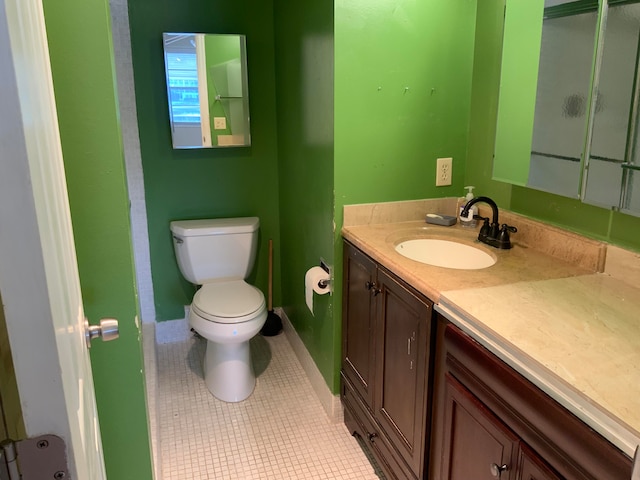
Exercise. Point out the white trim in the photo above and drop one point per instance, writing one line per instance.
(151, 378)
(132, 156)
(203, 91)
(330, 403)
(38, 270)
(171, 331)
(24, 291)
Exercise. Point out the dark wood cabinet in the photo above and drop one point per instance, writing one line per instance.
(476, 443)
(532, 467)
(402, 347)
(494, 423)
(403, 365)
(385, 366)
(357, 328)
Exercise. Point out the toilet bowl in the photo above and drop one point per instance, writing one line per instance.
(228, 315)
(218, 254)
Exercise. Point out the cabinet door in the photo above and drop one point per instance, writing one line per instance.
(358, 321)
(402, 348)
(476, 445)
(532, 467)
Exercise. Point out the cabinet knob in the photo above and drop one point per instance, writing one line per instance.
(371, 286)
(496, 470)
(372, 436)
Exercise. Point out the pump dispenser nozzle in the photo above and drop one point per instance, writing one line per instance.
(469, 220)
(469, 195)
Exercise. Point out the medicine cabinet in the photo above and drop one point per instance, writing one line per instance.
(207, 90)
(568, 101)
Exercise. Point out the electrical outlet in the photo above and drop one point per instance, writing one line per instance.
(219, 123)
(444, 172)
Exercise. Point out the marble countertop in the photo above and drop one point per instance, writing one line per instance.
(519, 264)
(572, 332)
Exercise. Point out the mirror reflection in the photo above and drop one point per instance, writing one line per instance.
(581, 140)
(613, 154)
(562, 97)
(207, 90)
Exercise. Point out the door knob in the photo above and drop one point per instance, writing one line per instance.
(107, 330)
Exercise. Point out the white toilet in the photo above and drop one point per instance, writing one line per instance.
(219, 254)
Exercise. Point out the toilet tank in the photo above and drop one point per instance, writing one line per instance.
(218, 248)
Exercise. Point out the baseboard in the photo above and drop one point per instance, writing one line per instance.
(170, 331)
(151, 385)
(330, 402)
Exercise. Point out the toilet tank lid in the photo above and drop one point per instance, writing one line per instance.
(215, 226)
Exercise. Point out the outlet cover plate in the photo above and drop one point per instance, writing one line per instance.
(219, 123)
(444, 172)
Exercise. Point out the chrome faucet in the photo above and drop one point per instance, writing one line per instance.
(492, 234)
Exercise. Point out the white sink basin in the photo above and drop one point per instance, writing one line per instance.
(445, 253)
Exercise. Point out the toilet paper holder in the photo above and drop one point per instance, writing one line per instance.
(324, 283)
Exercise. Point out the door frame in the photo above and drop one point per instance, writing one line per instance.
(37, 255)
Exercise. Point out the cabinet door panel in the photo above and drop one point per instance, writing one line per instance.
(358, 316)
(546, 426)
(402, 348)
(532, 467)
(476, 443)
(359, 422)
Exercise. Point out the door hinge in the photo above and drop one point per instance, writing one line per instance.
(35, 458)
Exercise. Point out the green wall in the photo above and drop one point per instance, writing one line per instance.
(484, 103)
(402, 98)
(522, 29)
(383, 142)
(304, 79)
(204, 183)
(79, 33)
(595, 222)
(387, 138)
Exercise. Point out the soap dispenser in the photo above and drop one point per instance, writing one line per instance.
(468, 221)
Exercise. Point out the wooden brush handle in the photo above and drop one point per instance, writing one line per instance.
(270, 296)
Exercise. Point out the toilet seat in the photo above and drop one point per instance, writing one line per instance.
(233, 301)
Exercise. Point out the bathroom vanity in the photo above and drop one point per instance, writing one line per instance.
(386, 362)
(493, 423)
(451, 374)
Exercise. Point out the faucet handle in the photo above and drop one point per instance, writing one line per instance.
(485, 230)
(503, 239)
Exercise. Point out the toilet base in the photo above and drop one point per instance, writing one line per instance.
(228, 371)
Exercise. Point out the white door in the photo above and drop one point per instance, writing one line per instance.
(39, 281)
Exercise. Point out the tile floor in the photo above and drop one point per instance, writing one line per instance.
(280, 432)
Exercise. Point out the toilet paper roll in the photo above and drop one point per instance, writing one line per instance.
(311, 284)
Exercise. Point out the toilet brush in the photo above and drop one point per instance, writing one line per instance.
(273, 324)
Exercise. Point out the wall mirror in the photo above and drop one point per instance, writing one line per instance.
(207, 90)
(611, 173)
(569, 124)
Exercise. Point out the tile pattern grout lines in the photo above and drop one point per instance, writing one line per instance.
(280, 432)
